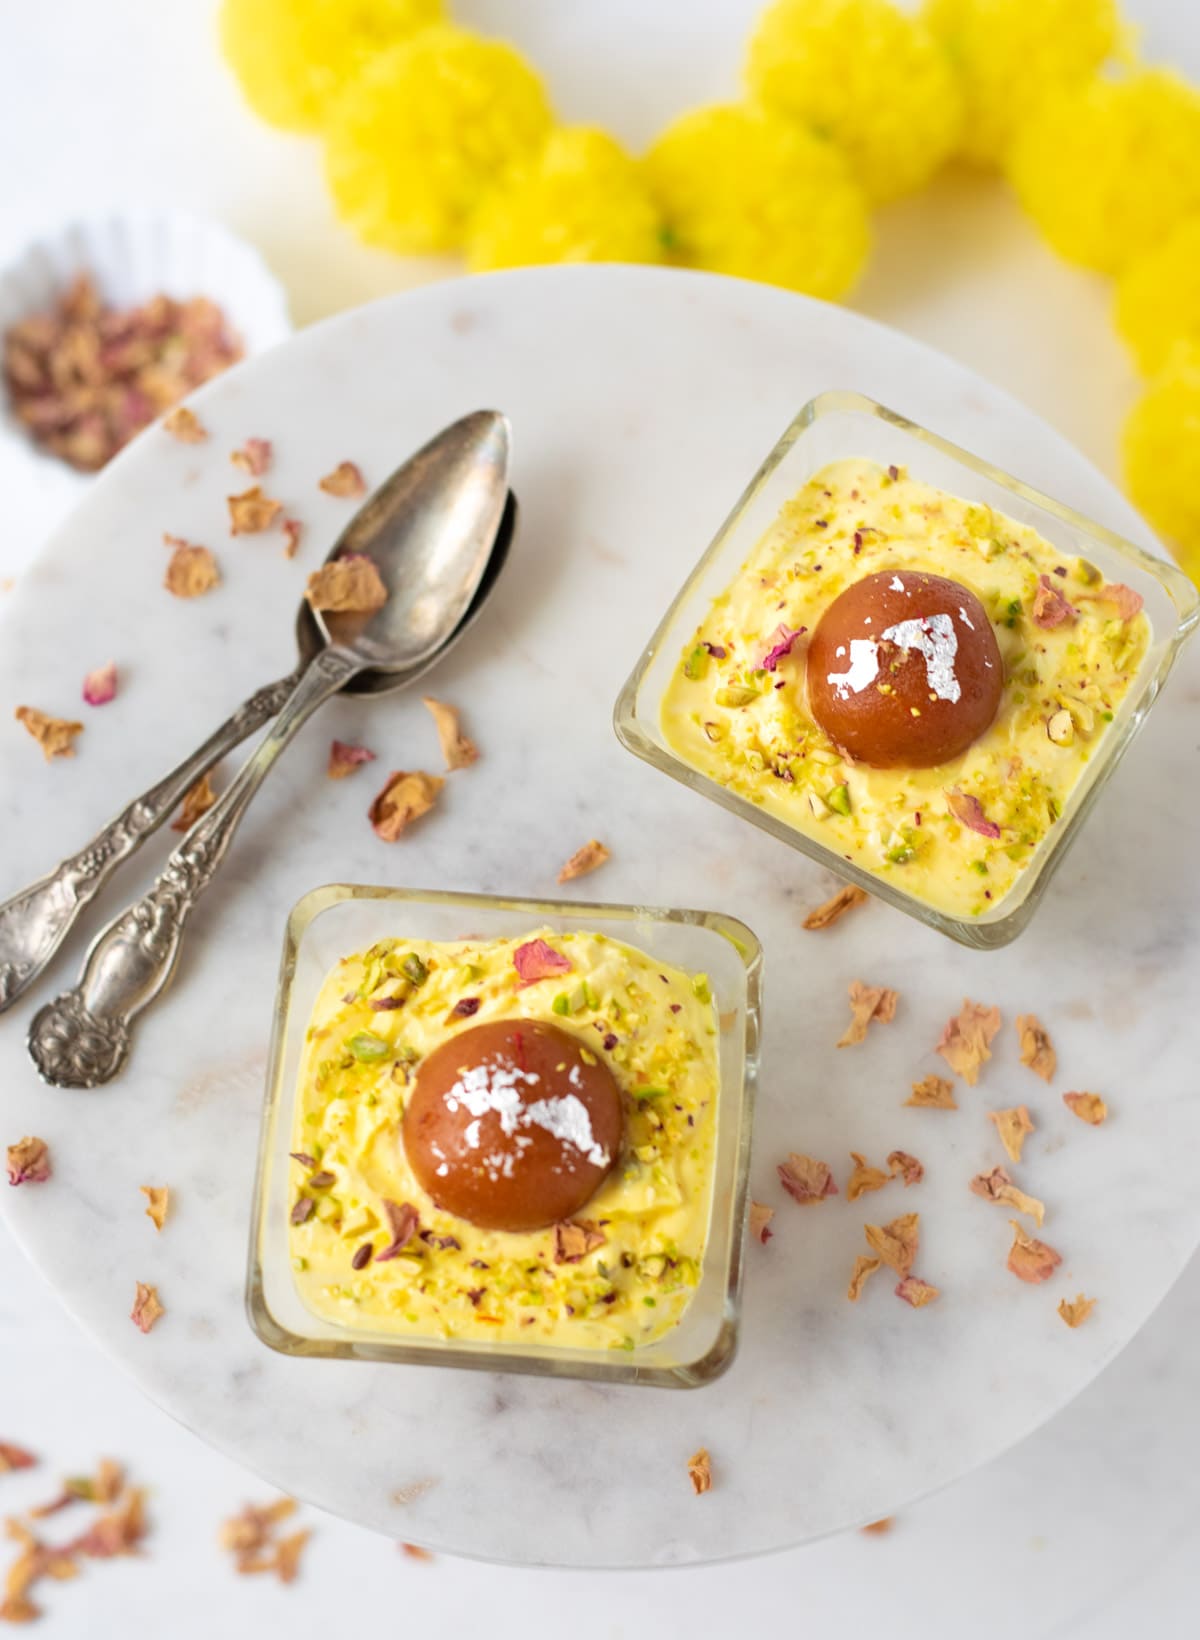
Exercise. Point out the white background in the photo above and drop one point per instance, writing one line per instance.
(1090, 1529)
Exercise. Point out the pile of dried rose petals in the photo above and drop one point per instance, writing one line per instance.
(83, 377)
(256, 1546)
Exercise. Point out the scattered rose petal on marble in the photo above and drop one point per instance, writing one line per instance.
(574, 1238)
(867, 1002)
(589, 858)
(864, 1269)
(347, 585)
(345, 480)
(864, 1178)
(252, 512)
(897, 1242)
(916, 1292)
(184, 424)
(254, 457)
(933, 1093)
(1037, 1050)
(907, 1167)
(1013, 1126)
(28, 1161)
(414, 1551)
(403, 1221)
(1030, 1259)
(457, 751)
(968, 810)
(965, 1043)
(287, 1555)
(1089, 1107)
(100, 686)
(56, 736)
(14, 1457)
(700, 1471)
(159, 1197)
(146, 1308)
(805, 1179)
(292, 531)
(1075, 1311)
(997, 1186)
(191, 570)
(250, 1538)
(760, 1222)
(344, 759)
(834, 909)
(877, 1528)
(197, 800)
(1050, 608)
(405, 798)
(537, 960)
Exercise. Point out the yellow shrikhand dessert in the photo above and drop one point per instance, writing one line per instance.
(960, 834)
(618, 1275)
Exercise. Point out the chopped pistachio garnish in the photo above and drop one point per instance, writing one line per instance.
(839, 799)
(367, 1048)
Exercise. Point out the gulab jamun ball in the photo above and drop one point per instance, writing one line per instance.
(904, 671)
(510, 1127)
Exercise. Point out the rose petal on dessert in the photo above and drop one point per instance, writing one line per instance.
(1037, 1050)
(805, 1179)
(867, 1002)
(933, 1093)
(969, 811)
(28, 1161)
(1012, 1125)
(864, 1269)
(159, 1198)
(344, 480)
(100, 686)
(897, 1242)
(1030, 1259)
(864, 1178)
(590, 857)
(14, 1457)
(404, 798)
(191, 570)
(760, 1221)
(537, 960)
(403, 1221)
(345, 758)
(965, 1043)
(700, 1471)
(457, 750)
(1089, 1107)
(1050, 608)
(146, 1308)
(1075, 1311)
(835, 908)
(575, 1238)
(783, 638)
(907, 1167)
(254, 457)
(251, 512)
(1125, 600)
(292, 531)
(997, 1186)
(916, 1292)
(347, 585)
(197, 800)
(877, 1528)
(56, 736)
(184, 425)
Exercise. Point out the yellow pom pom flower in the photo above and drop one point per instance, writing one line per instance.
(581, 199)
(1107, 171)
(750, 193)
(292, 56)
(1162, 455)
(867, 75)
(415, 141)
(1158, 299)
(1013, 55)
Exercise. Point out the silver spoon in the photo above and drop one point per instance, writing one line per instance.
(430, 530)
(35, 922)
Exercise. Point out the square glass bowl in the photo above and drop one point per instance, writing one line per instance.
(837, 426)
(332, 922)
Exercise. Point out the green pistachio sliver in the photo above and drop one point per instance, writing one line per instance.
(1087, 573)
(700, 988)
(735, 694)
(979, 867)
(561, 1003)
(839, 799)
(368, 1048)
(651, 1093)
(588, 1057)
(696, 664)
(590, 997)
(414, 969)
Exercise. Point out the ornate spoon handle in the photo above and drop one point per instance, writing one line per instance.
(82, 1038)
(34, 923)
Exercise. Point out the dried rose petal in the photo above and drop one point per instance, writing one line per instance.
(197, 800)
(405, 798)
(969, 810)
(897, 1242)
(805, 1179)
(1012, 1125)
(100, 686)
(287, 1556)
(146, 1308)
(784, 637)
(760, 1222)
(1031, 1259)
(907, 1167)
(933, 1093)
(457, 750)
(867, 1002)
(575, 1238)
(864, 1269)
(916, 1292)
(348, 585)
(536, 960)
(251, 512)
(414, 1551)
(14, 1457)
(323, 1179)
(159, 1197)
(303, 1158)
(877, 1528)
(1125, 600)
(116, 1533)
(292, 531)
(184, 425)
(1037, 1050)
(254, 457)
(864, 1178)
(997, 1186)
(251, 1530)
(700, 1471)
(590, 857)
(442, 1244)
(344, 759)
(1050, 608)
(965, 1043)
(56, 736)
(191, 570)
(344, 480)
(1075, 1311)
(403, 1221)
(834, 909)
(28, 1161)
(1089, 1107)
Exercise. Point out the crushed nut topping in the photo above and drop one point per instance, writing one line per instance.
(344, 480)
(905, 1166)
(146, 1308)
(347, 585)
(28, 1161)
(835, 908)
(805, 1179)
(100, 686)
(997, 1186)
(867, 1002)
(700, 1471)
(1075, 1311)
(575, 1238)
(1013, 1126)
(191, 570)
(1037, 1051)
(405, 798)
(457, 750)
(1030, 1259)
(897, 1242)
(159, 1198)
(344, 759)
(864, 1178)
(965, 1042)
(933, 1093)
(864, 1269)
(760, 1221)
(56, 736)
(916, 1292)
(1089, 1107)
(590, 857)
(197, 800)
(254, 457)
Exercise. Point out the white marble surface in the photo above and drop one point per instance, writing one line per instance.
(832, 1414)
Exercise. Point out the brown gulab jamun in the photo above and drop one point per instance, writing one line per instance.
(903, 670)
(510, 1127)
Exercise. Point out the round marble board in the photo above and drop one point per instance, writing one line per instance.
(641, 401)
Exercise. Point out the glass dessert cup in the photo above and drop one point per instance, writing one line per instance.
(837, 426)
(330, 923)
